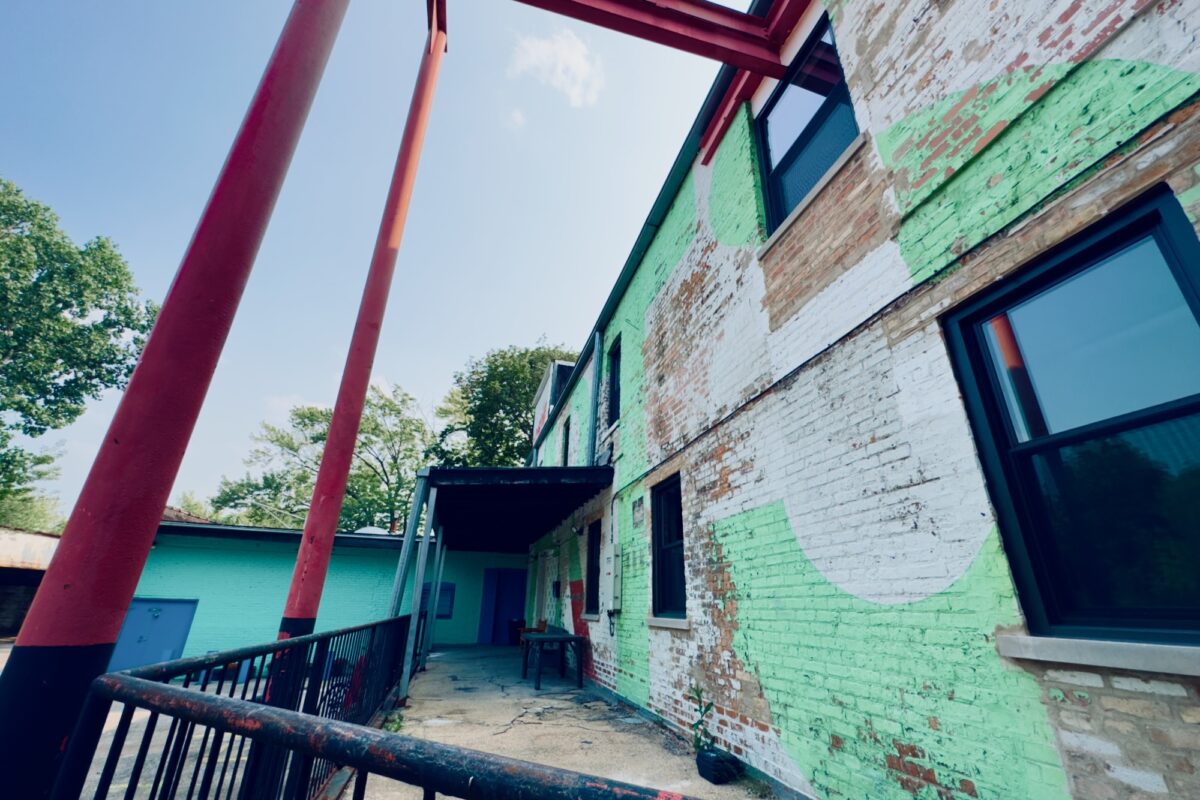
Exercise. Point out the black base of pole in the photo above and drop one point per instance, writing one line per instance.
(297, 626)
(42, 691)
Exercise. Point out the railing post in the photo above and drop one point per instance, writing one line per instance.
(265, 763)
(81, 748)
(72, 625)
(301, 770)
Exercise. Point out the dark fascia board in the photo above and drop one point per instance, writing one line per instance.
(658, 212)
(519, 476)
(209, 530)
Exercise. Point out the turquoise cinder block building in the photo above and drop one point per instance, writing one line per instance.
(211, 587)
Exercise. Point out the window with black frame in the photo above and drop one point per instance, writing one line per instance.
(805, 126)
(591, 588)
(666, 521)
(1082, 379)
(614, 382)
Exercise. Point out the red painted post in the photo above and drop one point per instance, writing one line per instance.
(72, 625)
(312, 562)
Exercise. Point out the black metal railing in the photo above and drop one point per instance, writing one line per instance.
(437, 768)
(344, 675)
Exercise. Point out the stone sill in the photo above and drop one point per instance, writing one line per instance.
(590, 617)
(798, 211)
(1164, 658)
(672, 623)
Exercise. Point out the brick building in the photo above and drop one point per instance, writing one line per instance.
(901, 387)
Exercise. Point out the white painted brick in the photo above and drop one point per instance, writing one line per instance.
(1093, 745)
(1137, 778)
(1075, 678)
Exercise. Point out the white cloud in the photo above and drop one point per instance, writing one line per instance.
(515, 120)
(563, 62)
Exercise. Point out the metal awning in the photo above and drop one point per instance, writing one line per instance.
(506, 509)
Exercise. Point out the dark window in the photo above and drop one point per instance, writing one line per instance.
(806, 125)
(1082, 378)
(591, 599)
(445, 599)
(566, 441)
(666, 518)
(614, 382)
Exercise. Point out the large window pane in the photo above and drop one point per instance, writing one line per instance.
(591, 603)
(818, 76)
(670, 594)
(806, 125)
(826, 143)
(1121, 517)
(1115, 338)
(1098, 360)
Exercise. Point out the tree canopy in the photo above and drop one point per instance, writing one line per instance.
(72, 324)
(393, 441)
(488, 412)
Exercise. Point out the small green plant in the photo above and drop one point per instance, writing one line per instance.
(393, 722)
(701, 738)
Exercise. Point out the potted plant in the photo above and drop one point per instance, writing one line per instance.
(713, 764)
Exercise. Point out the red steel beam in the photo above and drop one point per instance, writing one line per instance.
(320, 527)
(781, 21)
(72, 625)
(783, 18)
(694, 26)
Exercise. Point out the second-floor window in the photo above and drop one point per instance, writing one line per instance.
(805, 126)
(614, 382)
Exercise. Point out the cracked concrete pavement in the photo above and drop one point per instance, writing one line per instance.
(474, 697)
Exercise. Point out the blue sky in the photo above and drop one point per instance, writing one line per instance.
(548, 142)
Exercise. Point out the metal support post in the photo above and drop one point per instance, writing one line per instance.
(316, 546)
(72, 625)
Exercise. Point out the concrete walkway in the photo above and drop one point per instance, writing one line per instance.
(474, 697)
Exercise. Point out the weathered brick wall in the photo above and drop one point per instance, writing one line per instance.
(845, 577)
(1123, 734)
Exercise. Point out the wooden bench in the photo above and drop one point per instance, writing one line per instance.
(536, 642)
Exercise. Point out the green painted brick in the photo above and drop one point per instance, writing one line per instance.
(887, 674)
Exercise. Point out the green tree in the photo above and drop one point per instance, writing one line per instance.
(72, 324)
(393, 440)
(488, 412)
(30, 511)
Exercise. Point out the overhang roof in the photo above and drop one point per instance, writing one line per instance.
(506, 509)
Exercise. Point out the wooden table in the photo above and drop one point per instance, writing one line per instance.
(537, 641)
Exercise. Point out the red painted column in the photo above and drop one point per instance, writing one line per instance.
(74, 620)
(312, 562)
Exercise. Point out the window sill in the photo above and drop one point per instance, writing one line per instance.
(1165, 658)
(590, 617)
(798, 211)
(670, 623)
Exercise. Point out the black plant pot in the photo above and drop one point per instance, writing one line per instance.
(717, 766)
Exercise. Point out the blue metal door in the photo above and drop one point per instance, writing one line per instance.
(503, 605)
(155, 629)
